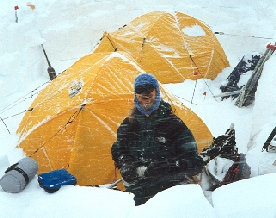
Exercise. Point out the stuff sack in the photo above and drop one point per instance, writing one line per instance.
(17, 176)
(223, 163)
(52, 181)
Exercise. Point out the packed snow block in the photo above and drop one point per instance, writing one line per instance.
(247, 198)
(52, 181)
(177, 201)
(17, 176)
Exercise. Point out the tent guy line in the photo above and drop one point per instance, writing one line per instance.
(228, 34)
(71, 119)
(24, 97)
(5, 125)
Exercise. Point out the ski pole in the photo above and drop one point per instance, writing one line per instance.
(16, 17)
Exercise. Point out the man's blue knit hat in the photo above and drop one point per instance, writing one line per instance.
(147, 79)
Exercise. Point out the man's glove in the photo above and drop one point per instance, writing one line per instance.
(129, 172)
(128, 168)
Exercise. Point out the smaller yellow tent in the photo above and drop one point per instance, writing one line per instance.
(72, 123)
(173, 47)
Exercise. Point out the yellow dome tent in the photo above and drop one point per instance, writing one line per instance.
(72, 123)
(173, 47)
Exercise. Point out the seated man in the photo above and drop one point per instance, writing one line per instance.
(154, 148)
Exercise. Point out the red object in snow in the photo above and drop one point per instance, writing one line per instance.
(272, 47)
(16, 7)
(205, 93)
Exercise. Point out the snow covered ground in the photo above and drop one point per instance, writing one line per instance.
(72, 29)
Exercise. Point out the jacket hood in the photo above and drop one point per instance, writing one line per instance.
(145, 79)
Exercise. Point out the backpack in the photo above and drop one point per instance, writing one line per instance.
(52, 181)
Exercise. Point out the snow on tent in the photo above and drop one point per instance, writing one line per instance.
(73, 122)
(173, 47)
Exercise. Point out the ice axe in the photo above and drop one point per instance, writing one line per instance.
(50, 69)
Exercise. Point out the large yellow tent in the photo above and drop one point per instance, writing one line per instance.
(173, 47)
(72, 123)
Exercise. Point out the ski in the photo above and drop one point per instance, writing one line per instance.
(112, 185)
(225, 94)
(247, 95)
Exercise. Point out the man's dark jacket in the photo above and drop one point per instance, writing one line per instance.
(161, 137)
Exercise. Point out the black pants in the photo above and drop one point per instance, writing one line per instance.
(148, 187)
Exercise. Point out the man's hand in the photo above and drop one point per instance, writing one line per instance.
(128, 167)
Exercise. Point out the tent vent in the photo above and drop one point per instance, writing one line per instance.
(75, 88)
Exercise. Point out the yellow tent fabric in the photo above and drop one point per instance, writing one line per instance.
(173, 47)
(72, 123)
